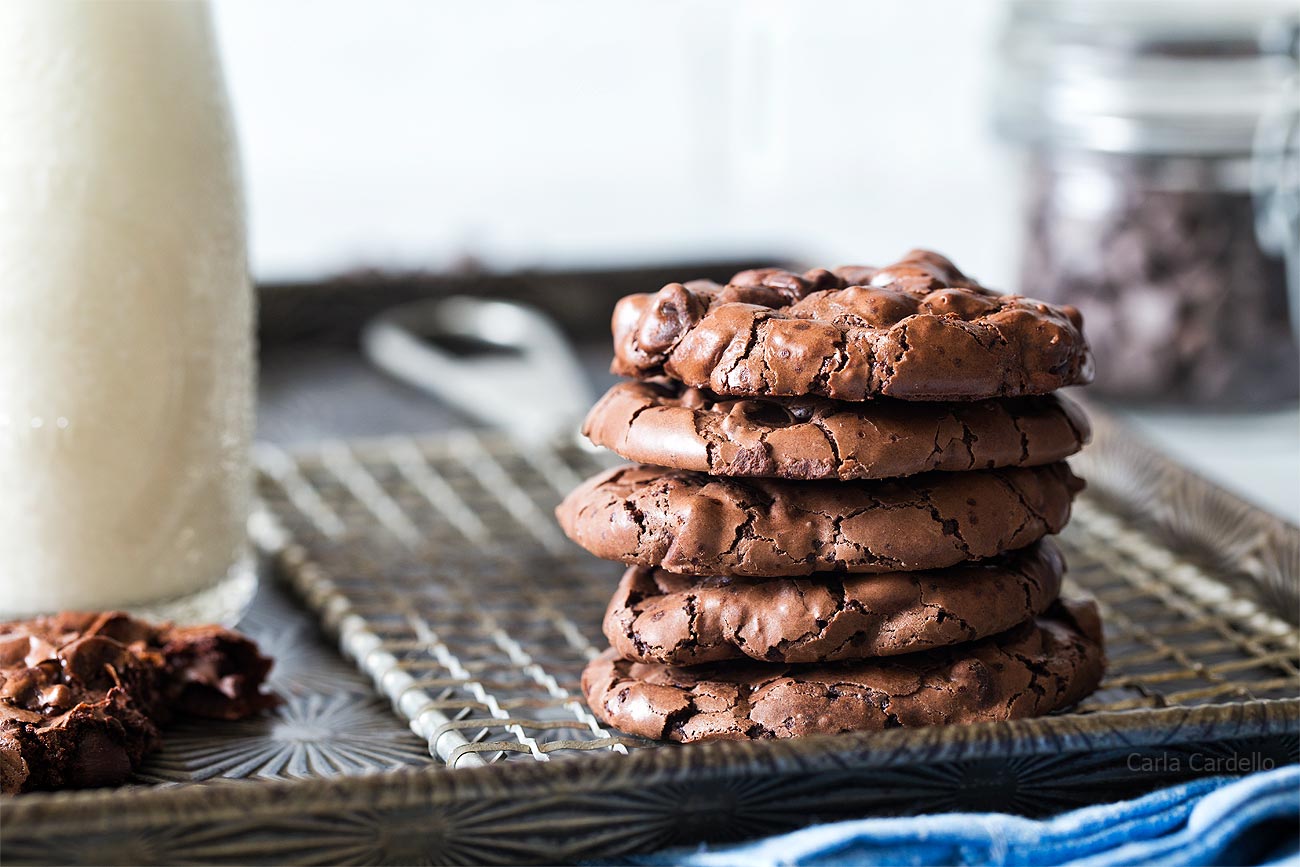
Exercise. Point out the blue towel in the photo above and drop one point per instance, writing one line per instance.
(1220, 820)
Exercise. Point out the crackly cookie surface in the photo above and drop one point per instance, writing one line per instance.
(918, 329)
(816, 438)
(1033, 669)
(82, 695)
(656, 616)
(695, 524)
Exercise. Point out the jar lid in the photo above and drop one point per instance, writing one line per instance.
(1144, 76)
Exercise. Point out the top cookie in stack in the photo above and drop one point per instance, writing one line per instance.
(918, 330)
(857, 468)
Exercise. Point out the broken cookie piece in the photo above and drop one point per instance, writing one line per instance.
(82, 695)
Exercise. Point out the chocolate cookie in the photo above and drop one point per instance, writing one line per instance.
(82, 695)
(656, 616)
(918, 329)
(817, 438)
(1041, 666)
(695, 524)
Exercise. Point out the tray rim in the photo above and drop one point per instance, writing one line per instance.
(1161, 727)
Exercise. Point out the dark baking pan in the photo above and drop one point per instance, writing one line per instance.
(436, 567)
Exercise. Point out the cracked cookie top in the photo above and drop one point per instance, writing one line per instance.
(1044, 665)
(918, 329)
(664, 424)
(691, 523)
(656, 616)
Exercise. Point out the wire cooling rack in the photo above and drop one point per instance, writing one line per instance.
(440, 567)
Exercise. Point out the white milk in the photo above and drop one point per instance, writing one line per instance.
(125, 308)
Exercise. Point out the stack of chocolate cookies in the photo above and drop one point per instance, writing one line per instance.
(839, 514)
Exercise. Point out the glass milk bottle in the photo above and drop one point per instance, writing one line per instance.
(125, 315)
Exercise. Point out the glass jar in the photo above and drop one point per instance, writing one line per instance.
(1159, 153)
(126, 315)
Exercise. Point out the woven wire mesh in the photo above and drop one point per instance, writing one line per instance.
(440, 566)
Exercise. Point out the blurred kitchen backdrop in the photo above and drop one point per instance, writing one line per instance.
(1137, 159)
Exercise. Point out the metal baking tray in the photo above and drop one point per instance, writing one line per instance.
(457, 733)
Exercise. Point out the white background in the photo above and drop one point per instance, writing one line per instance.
(573, 132)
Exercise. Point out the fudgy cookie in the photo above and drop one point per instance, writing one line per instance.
(917, 329)
(1030, 670)
(695, 524)
(656, 616)
(816, 438)
(82, 695)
